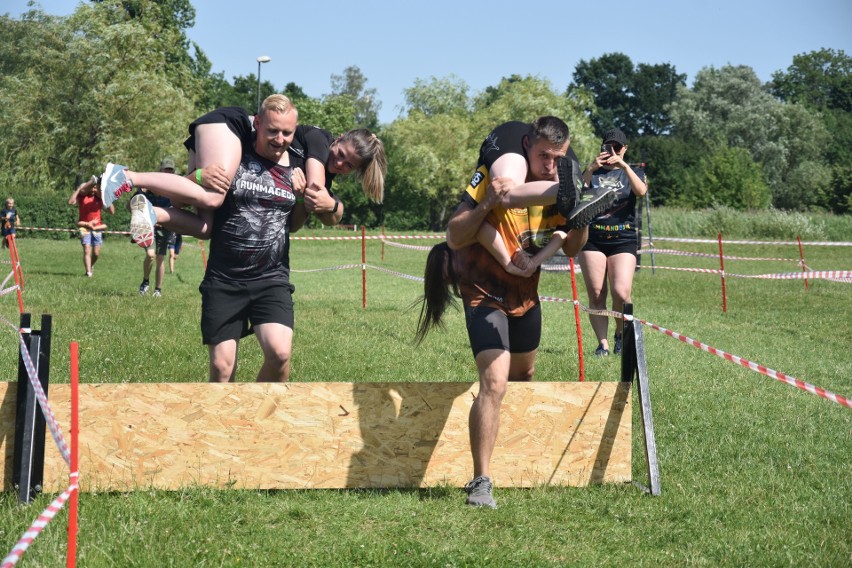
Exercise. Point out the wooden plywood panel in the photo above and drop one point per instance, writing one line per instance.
(335, 435)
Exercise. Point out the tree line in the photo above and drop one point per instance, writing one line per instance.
(120, 81)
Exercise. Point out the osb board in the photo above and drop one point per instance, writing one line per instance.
(330, 435)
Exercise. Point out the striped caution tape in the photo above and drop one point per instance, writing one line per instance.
(754, 366)
(735, 242)
(39, 524)
(709, 255)
(837, 275)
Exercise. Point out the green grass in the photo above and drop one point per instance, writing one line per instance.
(754, 472)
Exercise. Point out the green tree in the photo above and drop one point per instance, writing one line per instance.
(819, 79)
(632, 98)
(729, 106)
(725, 177)
(354, 84)
(63, 116)
(447, 95)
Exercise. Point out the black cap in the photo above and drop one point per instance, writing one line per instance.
(615, 135)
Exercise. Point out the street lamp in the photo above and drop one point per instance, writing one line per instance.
(261, 59)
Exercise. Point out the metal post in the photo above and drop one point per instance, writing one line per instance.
(30, 427)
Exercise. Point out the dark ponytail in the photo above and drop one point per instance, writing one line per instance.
(440, 289)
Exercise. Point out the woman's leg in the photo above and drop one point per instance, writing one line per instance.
(594, 265)
(215, 145)
(620, 269)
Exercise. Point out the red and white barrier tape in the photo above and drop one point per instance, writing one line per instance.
(340, 267)
(754, 366)
(404, 246)
(836, 275)
(69, 230)
(709, 255)
(734, 242)
(38, 525)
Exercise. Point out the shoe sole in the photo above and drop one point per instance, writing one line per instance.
(566, 196)
(582, 215)
(141, 229)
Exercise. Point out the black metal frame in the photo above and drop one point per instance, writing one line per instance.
(633, 365)
(30, 426)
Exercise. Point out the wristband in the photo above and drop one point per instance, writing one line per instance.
(198, 177)
(336, 206)
(300, 200)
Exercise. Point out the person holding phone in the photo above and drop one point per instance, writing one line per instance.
(608, 258)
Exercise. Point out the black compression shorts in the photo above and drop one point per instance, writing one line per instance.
(235, 117)
(490, 328)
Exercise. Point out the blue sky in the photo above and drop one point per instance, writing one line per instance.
(395, 43)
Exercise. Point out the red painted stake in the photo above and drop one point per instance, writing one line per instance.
(71, 559)
(15, 272)
(722, 268)
(577, 320)
(383, 243)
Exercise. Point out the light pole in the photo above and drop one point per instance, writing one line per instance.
(261, 59)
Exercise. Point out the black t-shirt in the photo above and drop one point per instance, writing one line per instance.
(251, 230)
(623, 211)
(311, 142)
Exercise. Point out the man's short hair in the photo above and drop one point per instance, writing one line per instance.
(549, 128)
(278, 103)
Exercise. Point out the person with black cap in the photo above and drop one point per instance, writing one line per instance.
(609, 255)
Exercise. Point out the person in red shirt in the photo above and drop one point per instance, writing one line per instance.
(87, 198)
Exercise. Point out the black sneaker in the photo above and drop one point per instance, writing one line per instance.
(617, 348)
(479, 492)
(143, 288)
(592, 203)
(570, 185)
(601, 351)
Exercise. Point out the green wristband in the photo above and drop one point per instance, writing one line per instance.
(300, 200)
(198, 177)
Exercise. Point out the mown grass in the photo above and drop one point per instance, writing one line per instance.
(754, 472)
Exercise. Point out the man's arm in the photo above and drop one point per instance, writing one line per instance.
(318, 199)
(85, 185)
(463, 226)
(507, 171)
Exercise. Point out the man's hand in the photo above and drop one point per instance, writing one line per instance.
(213, 178)
(298, 180)
(496, 190)
(318, 199)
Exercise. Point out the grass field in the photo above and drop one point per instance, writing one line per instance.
(754, 472)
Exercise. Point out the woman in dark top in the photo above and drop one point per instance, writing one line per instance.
(609, 256)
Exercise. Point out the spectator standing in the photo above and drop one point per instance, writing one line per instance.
(87, 198)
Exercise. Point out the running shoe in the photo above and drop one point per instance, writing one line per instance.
(142, 221)
(479, 492)
(592, 202)
(601, 351)
(570, 185)
(157, 292)
(114, 183)
(143, 288)
(618, 342)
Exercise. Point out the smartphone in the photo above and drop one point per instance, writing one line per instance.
(607, 148)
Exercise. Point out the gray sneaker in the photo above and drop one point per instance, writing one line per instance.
(143, 288)
(479, 492)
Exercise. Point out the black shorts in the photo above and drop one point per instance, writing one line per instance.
(611, 243)
(161, 240)
(227, 308)
(490, 328)
(236, 118)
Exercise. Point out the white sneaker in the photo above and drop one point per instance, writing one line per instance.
(142, 221)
